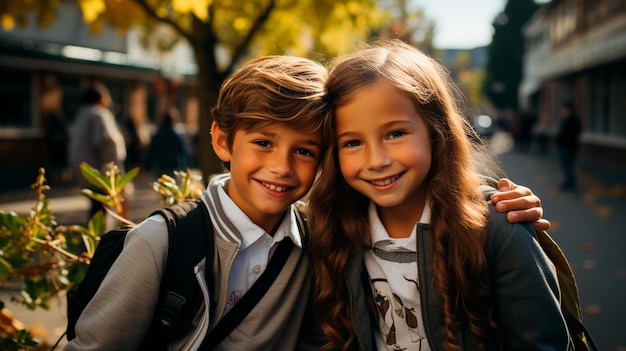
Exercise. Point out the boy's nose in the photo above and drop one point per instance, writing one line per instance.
(281, 165)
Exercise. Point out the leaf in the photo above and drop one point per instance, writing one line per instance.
(11, 222)
(92, 9)
(127, 177)
(5, 268)
(96, 225)
(105, 199)
(8, 23)
(95, 177)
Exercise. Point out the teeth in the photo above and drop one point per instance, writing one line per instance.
(384, 182)
(273, 187)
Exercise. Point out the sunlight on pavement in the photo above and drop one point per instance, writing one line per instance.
(500, 143)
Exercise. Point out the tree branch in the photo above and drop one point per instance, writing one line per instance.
(245, 43)
(152, 13)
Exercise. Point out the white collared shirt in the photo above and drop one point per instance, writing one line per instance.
(392, 267)
(256, 245)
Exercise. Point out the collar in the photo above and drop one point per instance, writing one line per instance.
(379, 237)
(235, 226)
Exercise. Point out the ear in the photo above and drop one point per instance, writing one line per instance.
(220, 146)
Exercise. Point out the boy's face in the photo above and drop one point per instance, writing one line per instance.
(271, 168)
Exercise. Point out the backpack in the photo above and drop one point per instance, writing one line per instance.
(570, 301)
(190, 239)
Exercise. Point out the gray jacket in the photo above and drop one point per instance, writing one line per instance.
(118, 316)
(525, 287)
(95, 139)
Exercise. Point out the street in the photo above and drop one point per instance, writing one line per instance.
(588, 225)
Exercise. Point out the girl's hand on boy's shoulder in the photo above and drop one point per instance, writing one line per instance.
(520, 203)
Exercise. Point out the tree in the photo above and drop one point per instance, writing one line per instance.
(223, 33)
(506, 51)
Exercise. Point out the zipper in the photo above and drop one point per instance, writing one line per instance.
(224, 289)
(350, 292)
(198, 336)
(423, 286)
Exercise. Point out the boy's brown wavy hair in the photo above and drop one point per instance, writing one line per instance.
(274, 89)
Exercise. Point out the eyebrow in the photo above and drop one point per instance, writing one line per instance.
(270, 135)
(390, 124)
(346, 134)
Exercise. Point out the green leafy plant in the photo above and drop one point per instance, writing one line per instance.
(48, 258)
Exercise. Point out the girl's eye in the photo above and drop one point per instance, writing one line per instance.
(396, 134)
(351, 143)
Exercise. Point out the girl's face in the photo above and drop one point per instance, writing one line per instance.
(384, 147)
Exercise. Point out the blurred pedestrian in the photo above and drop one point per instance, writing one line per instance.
(134, 146)
(527, 123)
(56, 131)
(567, 141)
(168, 150)
(56, 141)
(96, 137)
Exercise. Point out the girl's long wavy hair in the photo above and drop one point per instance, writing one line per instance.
(339, 216)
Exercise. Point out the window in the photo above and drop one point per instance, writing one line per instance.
(16, 98)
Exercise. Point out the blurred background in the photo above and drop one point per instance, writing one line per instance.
(515, 61)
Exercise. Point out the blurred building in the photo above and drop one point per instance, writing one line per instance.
(576, 51)
(43, 70)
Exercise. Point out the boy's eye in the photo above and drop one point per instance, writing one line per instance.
(305, 152)
(263, 143)
(396, 134)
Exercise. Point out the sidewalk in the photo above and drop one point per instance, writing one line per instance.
(589, 226)
(71, 207)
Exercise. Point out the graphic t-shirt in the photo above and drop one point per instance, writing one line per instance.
(392, 268)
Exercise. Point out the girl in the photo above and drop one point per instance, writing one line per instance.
(415, 246)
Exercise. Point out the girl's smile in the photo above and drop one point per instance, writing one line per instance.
(384, 147)
(383, 182)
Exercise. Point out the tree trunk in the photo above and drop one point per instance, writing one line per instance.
(209, 80)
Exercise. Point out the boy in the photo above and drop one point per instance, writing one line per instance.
(267, 131)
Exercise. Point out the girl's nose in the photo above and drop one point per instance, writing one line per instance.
(377, 157)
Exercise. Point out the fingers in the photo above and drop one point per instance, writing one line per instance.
(520, 203)
(511, 201)
(505, 184)
(510, 190)
(541, 225)
(527, 215)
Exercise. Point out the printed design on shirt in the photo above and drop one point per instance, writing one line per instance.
(395, 314)
(233, 298)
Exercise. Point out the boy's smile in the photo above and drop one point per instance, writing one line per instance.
(271, 168)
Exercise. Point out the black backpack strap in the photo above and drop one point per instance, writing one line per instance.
(247, 302)
(190, 234)
(576, 326)
(79, 295)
